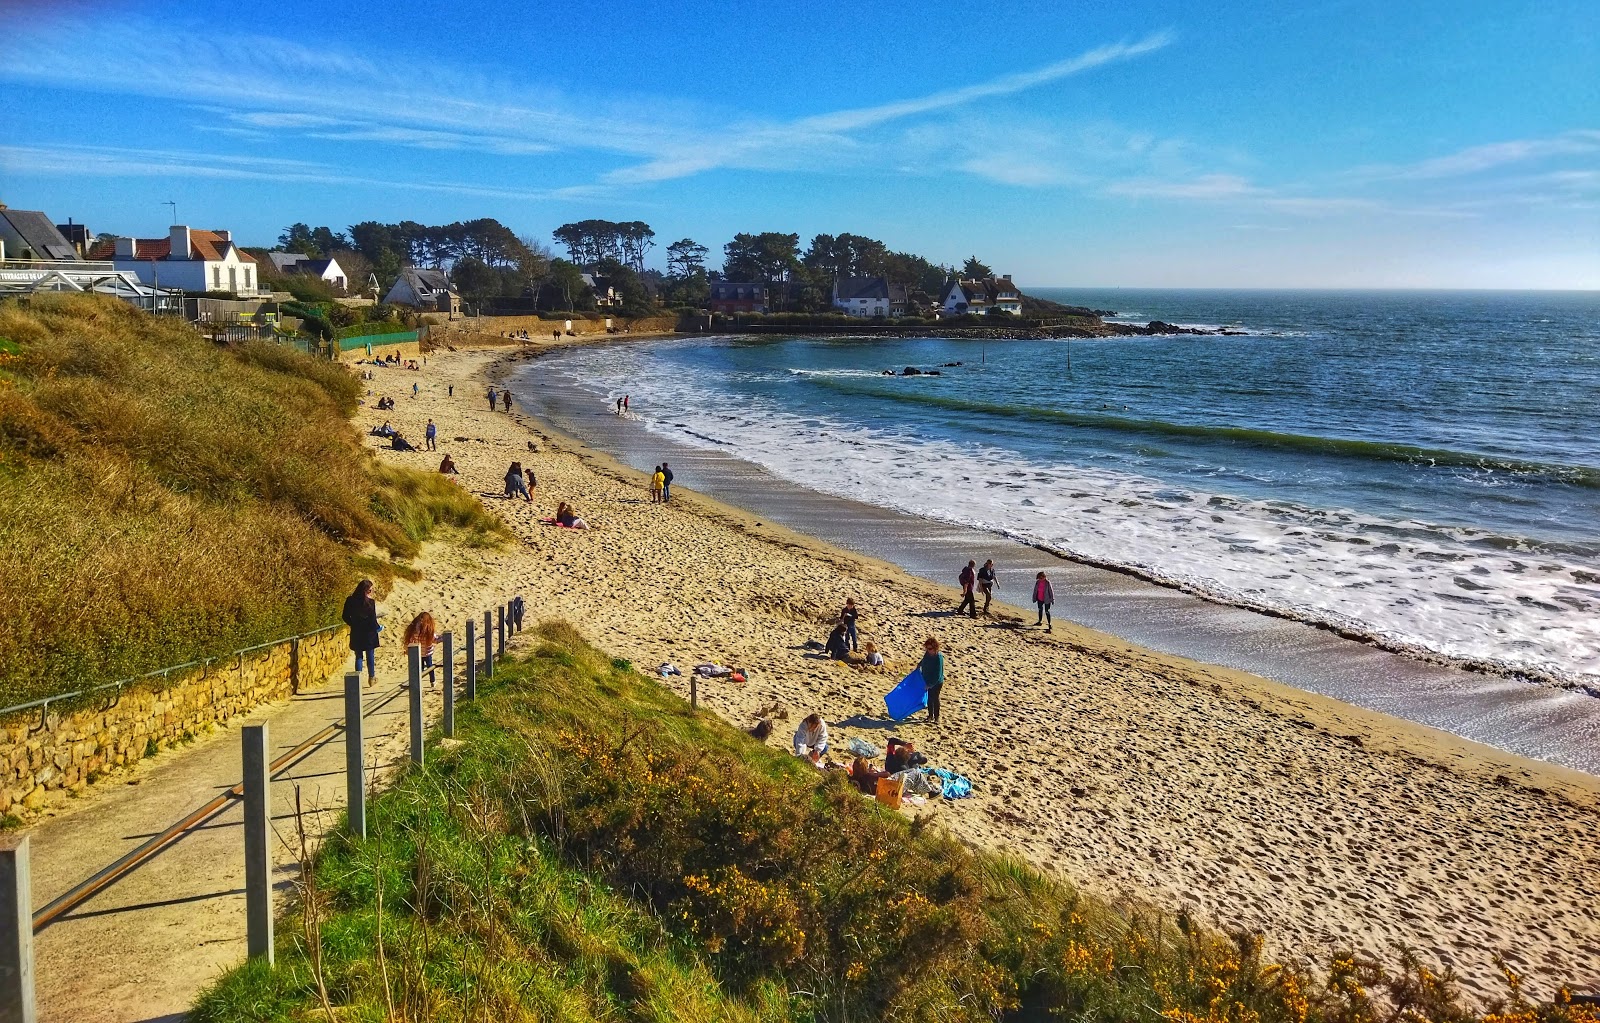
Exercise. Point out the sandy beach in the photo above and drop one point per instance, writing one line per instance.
(1137, 775)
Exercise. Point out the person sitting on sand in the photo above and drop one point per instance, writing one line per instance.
(383, 431)
(448, 466)
(517, 484)
(420, 633)
(897, 756)
(932, 668)
(811, 738)
(865, 776)
(1043, 596)
(838, 645)
(566, 516)
(874, 658)
(399, 443)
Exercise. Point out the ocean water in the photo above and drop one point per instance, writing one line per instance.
(1419, 468)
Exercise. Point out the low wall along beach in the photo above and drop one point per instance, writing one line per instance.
(65, 748)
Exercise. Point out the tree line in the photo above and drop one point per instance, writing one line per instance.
(487, 261)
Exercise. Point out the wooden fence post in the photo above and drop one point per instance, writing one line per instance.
(355, 784)
(16, 932)
(414, 671)
(472, 659)
(257, 853)
(449, 642)
(488, 645)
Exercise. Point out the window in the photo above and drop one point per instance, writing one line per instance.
(216, 278)
(247, 284)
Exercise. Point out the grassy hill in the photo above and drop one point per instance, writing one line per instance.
(589, 849)
(164, 499)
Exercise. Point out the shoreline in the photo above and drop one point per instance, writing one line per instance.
(1141, 776)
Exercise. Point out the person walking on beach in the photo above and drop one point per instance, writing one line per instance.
(968, 579)
(625, 403)
(361, 615)
(413, 388)
(452, 392)
(666, 483)
(431, 435)
(932, 668)
(516, 484)
(658, 483)
(847, 618)
(1043, 596)
(493, 397)
(987, 581)
(505, 398)
(619, 406)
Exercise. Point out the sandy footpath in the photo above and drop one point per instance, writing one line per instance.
(1135, 774)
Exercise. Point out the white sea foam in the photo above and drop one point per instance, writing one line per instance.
(1412, 585)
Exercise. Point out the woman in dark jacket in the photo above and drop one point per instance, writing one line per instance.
(838, 645)
(361, 615)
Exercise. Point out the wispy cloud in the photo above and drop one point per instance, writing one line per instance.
(1489, 157)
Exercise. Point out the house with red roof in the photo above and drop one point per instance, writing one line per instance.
(187, 259)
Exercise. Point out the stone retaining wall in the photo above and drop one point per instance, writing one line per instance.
(72, 745)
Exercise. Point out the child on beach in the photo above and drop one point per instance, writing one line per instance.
(811, 738)
(847, 618)
(932, 668)
(1043, 596)
(361, 615)
(874, 658)
(420, 633)
(658, 485)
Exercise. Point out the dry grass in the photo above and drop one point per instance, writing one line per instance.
(162, 498)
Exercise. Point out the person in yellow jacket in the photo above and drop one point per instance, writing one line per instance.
(658, 484)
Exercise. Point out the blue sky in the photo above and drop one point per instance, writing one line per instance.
(1336, 144)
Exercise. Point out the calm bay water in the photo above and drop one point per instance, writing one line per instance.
(1420, 468)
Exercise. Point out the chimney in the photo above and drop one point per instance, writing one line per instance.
(226, 236)
(126, 248)
(180, 243)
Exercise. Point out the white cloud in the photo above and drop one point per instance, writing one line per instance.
(1490, 156)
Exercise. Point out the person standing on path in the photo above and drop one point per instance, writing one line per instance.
(847, 617)
(414, 388)
(361, 615)
(658, 483)
(968, 579)
(932, 668)
(492, 398)
(1043, 596)
(666, 483)
(987, 581)
(431, 435)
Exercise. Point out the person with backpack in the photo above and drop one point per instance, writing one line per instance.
(987, 581)
(1043, 596)
(361, 615)
(968, 579)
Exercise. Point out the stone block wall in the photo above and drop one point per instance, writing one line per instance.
(69, 747)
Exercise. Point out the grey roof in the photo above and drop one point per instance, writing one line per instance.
(851, 288)
(426, 282)
(39, 234)
(319, 266)
(285, 261)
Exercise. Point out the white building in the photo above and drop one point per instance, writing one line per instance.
(299, 263)
(977, 297)
(868, 296)
(189, 260)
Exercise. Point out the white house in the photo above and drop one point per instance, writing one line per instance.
(977, 297)
(299, 263)
(868, 296)
(605, 293)
(430, 290)
(189, 260)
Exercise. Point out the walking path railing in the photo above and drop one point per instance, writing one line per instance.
(19, 922)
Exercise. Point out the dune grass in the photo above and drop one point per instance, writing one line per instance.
(163, 498)
(591, 850)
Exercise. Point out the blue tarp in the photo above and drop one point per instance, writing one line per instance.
(910, 696)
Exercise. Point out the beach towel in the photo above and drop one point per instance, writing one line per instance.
(955, 786)
(910, 696)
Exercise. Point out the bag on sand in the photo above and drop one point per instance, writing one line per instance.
(910, 696)
(889, 792)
